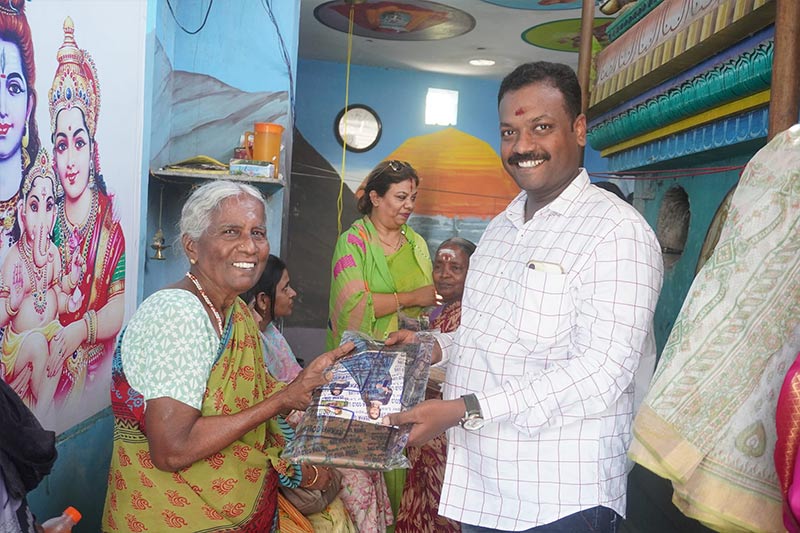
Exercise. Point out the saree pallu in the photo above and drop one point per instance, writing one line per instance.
(787, 424)
(359, 268)
(102, 246)
(232, 490)
(708, 422)
(447, 317)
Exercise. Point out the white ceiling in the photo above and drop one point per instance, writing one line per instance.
(496, 36)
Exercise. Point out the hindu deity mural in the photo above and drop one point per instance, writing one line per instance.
(62, 248)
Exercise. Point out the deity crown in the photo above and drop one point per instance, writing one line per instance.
(75, 83)
(42, 168)
(7, 7)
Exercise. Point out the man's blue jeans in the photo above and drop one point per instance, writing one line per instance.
(594, 520)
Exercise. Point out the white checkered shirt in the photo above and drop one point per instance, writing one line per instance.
(556, 315)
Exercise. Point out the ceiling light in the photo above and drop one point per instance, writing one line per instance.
(481, 62)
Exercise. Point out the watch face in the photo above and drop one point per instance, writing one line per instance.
(359, 129)
(473, 422)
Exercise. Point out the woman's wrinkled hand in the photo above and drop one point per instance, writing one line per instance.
(297, 395)
(424, 296)
(320, 475)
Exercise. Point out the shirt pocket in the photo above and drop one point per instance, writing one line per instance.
(543, 307)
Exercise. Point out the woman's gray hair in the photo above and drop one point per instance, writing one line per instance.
(468, 247)
(198, 209)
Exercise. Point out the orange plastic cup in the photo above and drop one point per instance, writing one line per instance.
(265, 144)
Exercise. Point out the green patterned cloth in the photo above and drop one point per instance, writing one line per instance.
(708, 422)
(192, 344)
(360, 268)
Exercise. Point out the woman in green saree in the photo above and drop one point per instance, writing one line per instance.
(197, 437)
(380, 266)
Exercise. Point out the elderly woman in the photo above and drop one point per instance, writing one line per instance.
(197, 440)
(419, 508)
(449, 274)
(380, 265)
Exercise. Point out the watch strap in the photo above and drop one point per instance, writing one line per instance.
(472, 405)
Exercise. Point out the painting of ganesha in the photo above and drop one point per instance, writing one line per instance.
(32, 349)
(62, 266)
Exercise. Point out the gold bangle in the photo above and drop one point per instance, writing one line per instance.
(10, 313)
(397, 301)
(71, 284)
(91, 326)
(316, 475)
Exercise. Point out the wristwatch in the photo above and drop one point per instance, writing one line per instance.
(473, 420)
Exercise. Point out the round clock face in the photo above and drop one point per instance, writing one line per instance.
(359, 129)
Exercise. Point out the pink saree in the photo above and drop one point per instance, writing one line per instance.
(787, 422)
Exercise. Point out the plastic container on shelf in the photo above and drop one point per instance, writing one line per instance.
(266, 143)
(63, 523)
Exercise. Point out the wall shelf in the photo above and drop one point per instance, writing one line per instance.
(189, 177)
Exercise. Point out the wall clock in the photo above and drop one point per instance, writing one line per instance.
(359, 129)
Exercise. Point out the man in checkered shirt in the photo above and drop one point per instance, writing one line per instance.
(557, 313)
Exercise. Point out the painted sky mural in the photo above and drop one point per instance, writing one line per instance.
(462, 184)
(461, 175)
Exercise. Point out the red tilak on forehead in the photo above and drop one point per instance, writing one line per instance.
(520, 111)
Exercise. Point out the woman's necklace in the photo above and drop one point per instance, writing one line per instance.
(73, 236)
(207, 300)
(36, 277)
(396, 246)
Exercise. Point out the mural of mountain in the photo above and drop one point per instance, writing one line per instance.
(198, 127)
(460, 175)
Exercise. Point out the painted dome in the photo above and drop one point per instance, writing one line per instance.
(460, 175)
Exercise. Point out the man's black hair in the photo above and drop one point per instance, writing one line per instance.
(557, 75)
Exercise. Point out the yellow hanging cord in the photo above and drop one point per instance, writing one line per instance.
(339, 202)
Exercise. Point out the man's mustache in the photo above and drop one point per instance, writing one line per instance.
(528, 156)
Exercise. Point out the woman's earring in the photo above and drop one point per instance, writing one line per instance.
(193, 261)
(25, 138)
(91, 174)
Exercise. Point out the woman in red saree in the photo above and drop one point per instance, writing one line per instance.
(419, 507)
(87, 225)
(197, 439)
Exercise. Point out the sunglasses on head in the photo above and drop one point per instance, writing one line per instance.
(396, 167)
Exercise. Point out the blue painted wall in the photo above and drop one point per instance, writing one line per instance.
(705, 196)
(398, 96)
(239, 47)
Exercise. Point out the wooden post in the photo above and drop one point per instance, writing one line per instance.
(785, 95)
(585, 54)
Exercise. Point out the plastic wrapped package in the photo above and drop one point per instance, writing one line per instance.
(343, 425)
